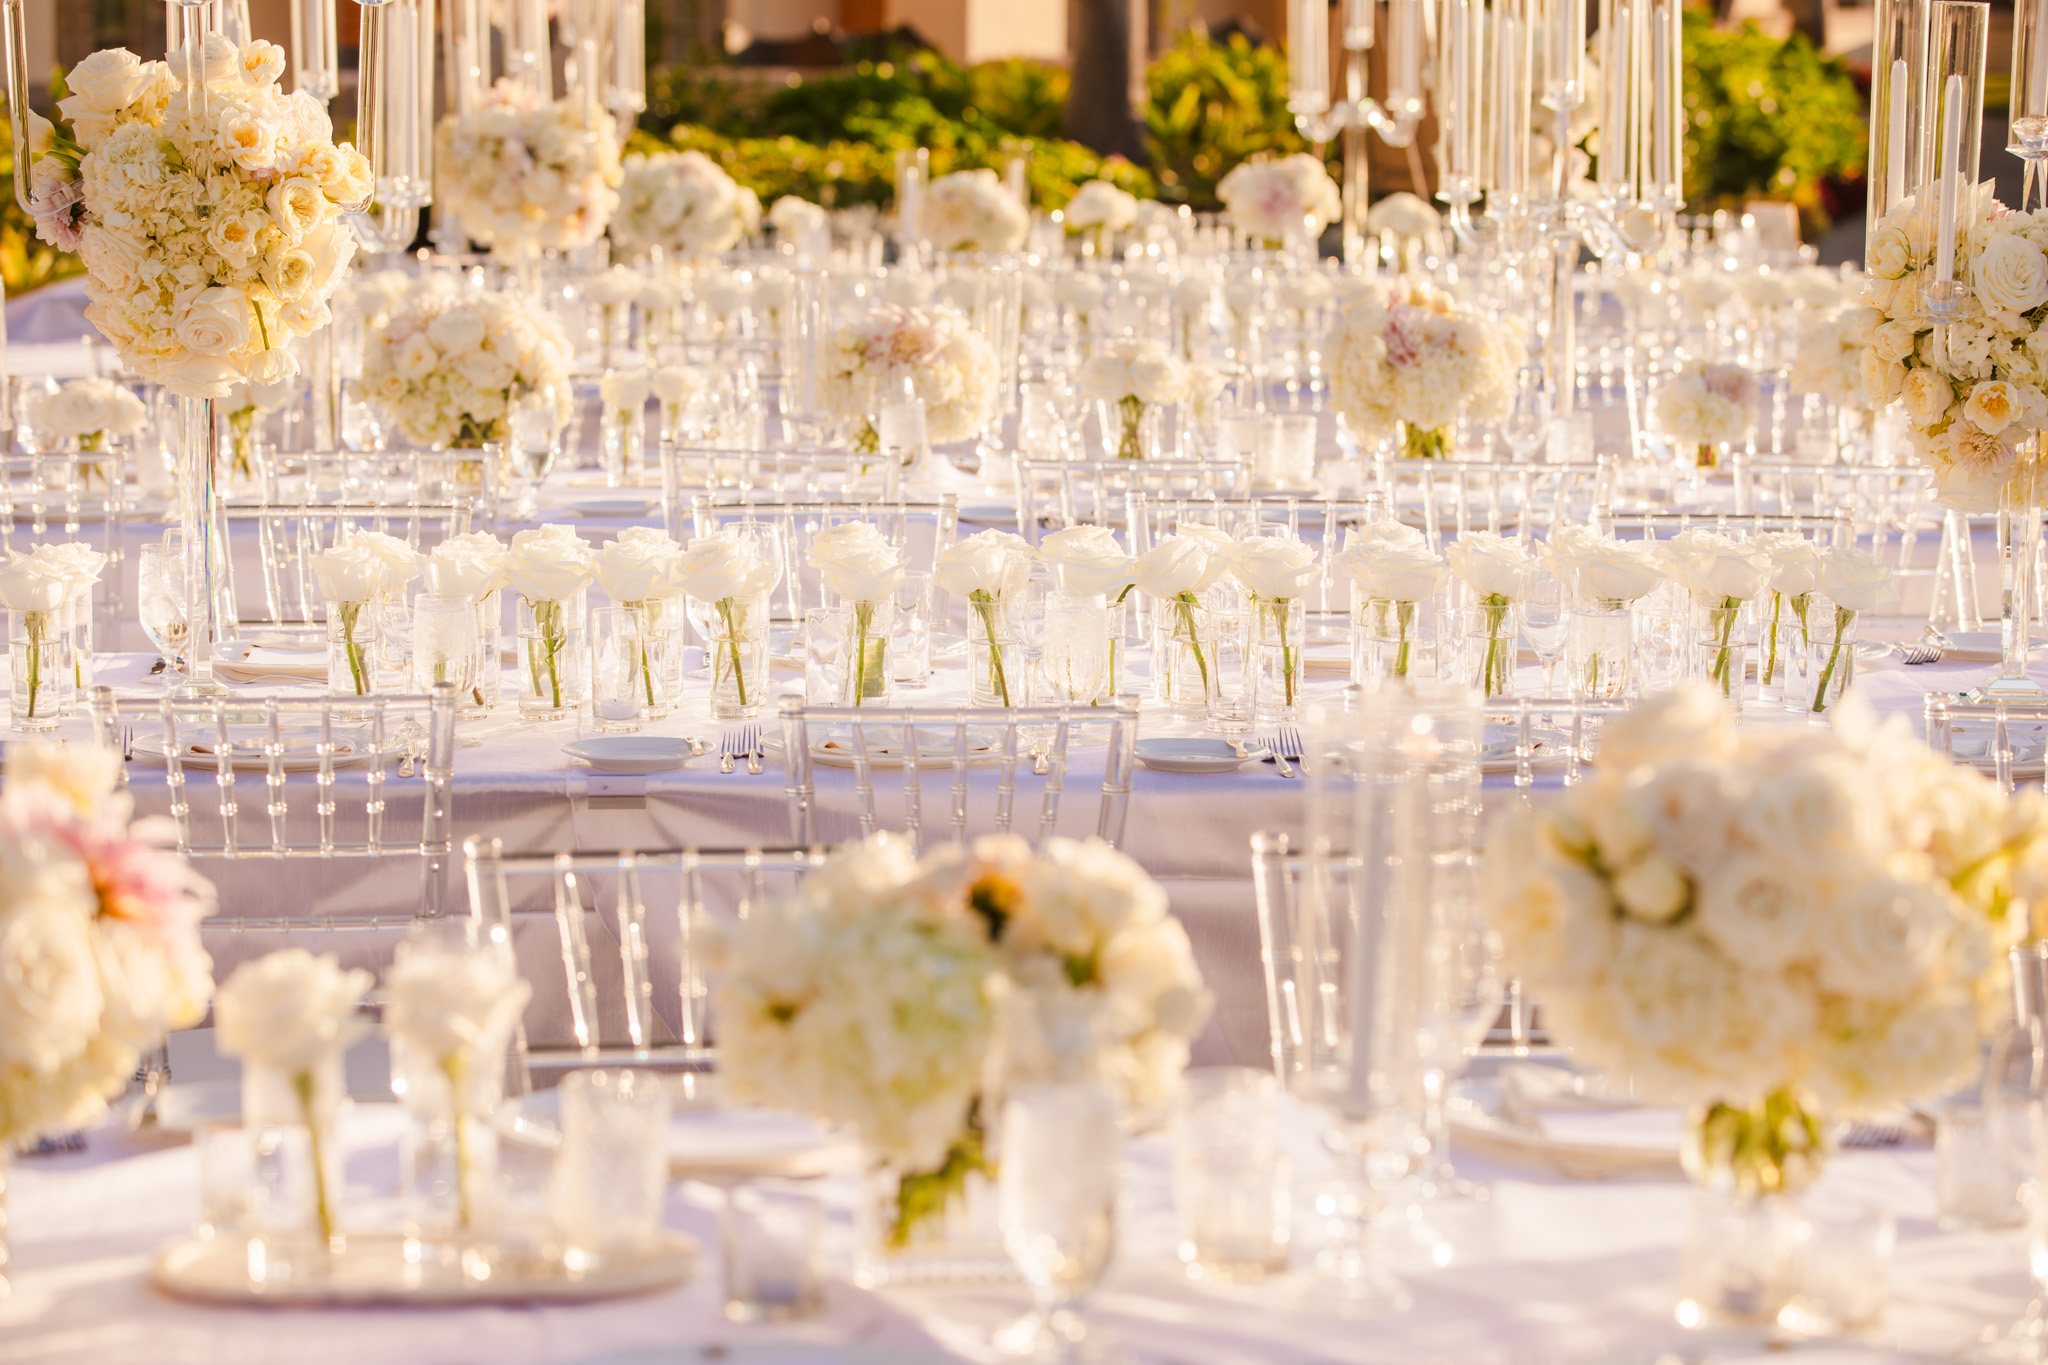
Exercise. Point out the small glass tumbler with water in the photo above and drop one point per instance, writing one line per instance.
(612, 1176)
(445, 648)
(1230, 1179)
(769, 1234)
(910, 644)
(619, 680)
(1056, 1200)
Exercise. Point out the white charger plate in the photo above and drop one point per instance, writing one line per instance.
(630, 753)
(301, 752)
(1195, 754)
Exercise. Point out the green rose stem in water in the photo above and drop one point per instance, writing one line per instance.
(985, 605)
(546, 649)
(351, 612)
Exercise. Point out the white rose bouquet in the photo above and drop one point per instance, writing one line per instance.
(1414, 362)
(290, 1017)
(523, 175)
(1101, 210)
(444, 366)
(100, 953)
(1758, 922)
(548, 566)
(1968, 411)
(987, 569)
(863, 567)
(1499, 573)
(1829, 361)
(973, 211)
(1280, 199)
(683, 203)
(905, 999)
(948, 364)
(1393, 569)
(1707, 406)
(210, 229)
(1131, 378)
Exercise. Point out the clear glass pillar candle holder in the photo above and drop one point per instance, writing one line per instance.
(1278, 632)
(38, 647)
(1078, 645)
(1599, 649)
(552, 662)
(445, 648)
(1230, 1177)
(621, 674)
(736, 647)
(352, 648)
(613, 1170)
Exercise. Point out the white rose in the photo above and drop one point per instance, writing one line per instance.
(1894, 340)
(1393, 572)
(717, 567)
(1995, 405)
(76, 563)
(470, 566)
(548, 564)
(50, 996)
(448, 1003)
(638, 570)
(1754, 912)
(624, 390)
(1854, 578)
(976, 564)
(1652, 889)
(1888, 255)
(1087, 560)
(1880, 940)
(1883, 380)
(456, 331)
(1106, 378)
(1713, 566)
(486, 371)
(674, 384)
(1491, 565)
(2011, 274)
(1178, 565)
(348, 573)
(857, 562)
(1600, 568)
(1275, 568)
(216, 323)
(290, 1010)
(1158, 378)
(1928, 396)
(1100, 204)
(1795, 560)
(1556, 919)
(417, 358)
(32, 583)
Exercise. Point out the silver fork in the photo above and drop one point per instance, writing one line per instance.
(737, 743)
(1922, 652)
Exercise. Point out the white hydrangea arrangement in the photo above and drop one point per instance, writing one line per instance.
(210, 230)
(683, 203)
(88, 411)
(1707, 407)
(1101, 209)
(524, 174)
(1129, 376)
(444, 366)
(905, 998)
(1763, 923)
(951, 366)
(99, 938)
(973, 211)
(1829, 360)
(1413, 362)
(1967, 411)
(1277, 199)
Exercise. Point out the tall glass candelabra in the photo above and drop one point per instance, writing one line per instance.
(1350, 117)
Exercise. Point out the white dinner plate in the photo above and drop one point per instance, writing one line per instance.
(1195, 754)
(885, 747)
(989, 513)
(610, 505)
(1973, 747)
(1497, 748)
(1980, 647)
(630, 753)
(301, 749)
(242, 662)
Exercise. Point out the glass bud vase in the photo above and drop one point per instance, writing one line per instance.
(351, 648)
(552, 657)
(1722, 654)
(1278, 663)
(1783, 639)
(37, 649)
(738, 646)
(1182, 651)
(1749, 1161)
(292, 1119)
(1131, 427)
(1834, 654)
(864, 659)
(79, 626)
(622, 445)
(1600, 650)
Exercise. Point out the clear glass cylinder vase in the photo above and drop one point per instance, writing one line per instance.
(1834, 655)
(1278, 631)
(1132, 428)
(863, 677)
(352, 648)
(292, 1118)
(1721, 652)
(37, 649)
(738, 656)
(1783, 639)
(1600, 648)
(490, 632)
(1182, 649)
(553, 660)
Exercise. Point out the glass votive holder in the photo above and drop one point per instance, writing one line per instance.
(825, 644)
(769, 1234)
(518, 1220)
(1287, 451)
(445, 648)
(1233, 675)
(227, 1177)
(621, 676)
(910, 645)
(1977, 1178)
(612, 1175)
(1230, 1178)
(1840, 1271)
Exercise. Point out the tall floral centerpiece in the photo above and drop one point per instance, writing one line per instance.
(1411, 363)
(1765, 926)
(1132, 380)
(863, 568)
(936, 353)
(906, 999)
(973, 211)
(989, 570)
(445, 366)
(682, 203)
(1974, 391)
(1707, 407)
(99, 942)
(525, 174)
(1283, 200)
(205, 204)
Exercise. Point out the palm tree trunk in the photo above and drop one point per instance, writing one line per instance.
(1099, 100)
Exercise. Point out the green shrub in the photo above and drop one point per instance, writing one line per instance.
(1767, 119)
(1213, 105)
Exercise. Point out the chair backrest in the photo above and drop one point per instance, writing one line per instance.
(1056, 493)
(299, 753)
(1446, 498)
(278, 586)
(1831, 528)
(71, 496)
(1578, 720)
(557, 883)
(1993, 723)
(824, 475)
(388, 479)
(920, 529)
(1316, 519)
(956, 741)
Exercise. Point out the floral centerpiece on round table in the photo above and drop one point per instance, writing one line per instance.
(444, 366)
(1414, 362)
(1280, 199)
(1767, 924)
(88, 411)
(210, 230)
(1132, 379)
(99, 940)
(949, 365)
(1707, 407)
(905, 998)
(1100, 210)
(973, 211)
(524, 175)
(683, 203)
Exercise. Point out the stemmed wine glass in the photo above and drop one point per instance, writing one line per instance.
(160, 590)
(1527, 425)
(1056, 1200)
(1544, 619)
(535, 441)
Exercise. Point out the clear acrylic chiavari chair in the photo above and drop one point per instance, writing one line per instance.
(285, 596)
(279, 768)
(50, 499)
(1056, 493)
(651, 892)
(920, 529)
(2004, 739)
(953, 742)
(390, 479)
(815, 475)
